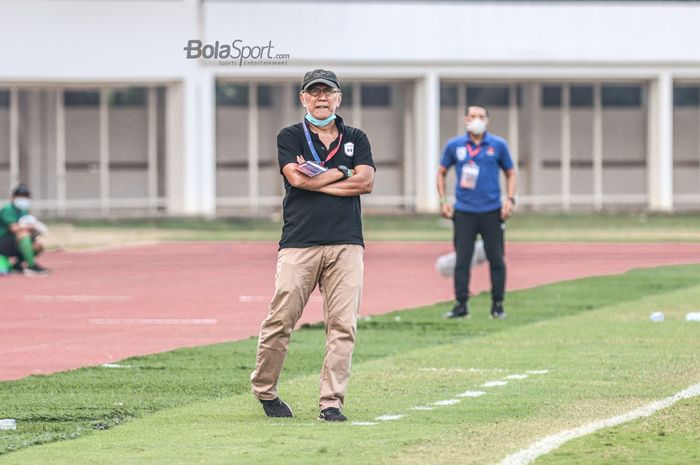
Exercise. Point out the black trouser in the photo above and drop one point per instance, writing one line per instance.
(8, 246)
(491, 228)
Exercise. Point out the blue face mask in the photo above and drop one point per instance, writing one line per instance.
(22, 203)
(319, 122)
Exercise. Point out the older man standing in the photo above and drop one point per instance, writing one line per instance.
(326, 166)
(478, 158)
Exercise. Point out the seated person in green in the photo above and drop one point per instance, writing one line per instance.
(18, 237)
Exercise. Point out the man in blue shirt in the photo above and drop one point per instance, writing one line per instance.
(478, 158)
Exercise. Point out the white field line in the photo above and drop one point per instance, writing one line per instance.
(114, 365)
(154, 321)
(537, 372)
(464, 370)
(494, 383)
(471, 394)
(388, 417)
(363, 423)
(549, 443)
(447, 402)
(77, 298)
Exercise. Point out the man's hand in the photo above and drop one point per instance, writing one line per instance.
(506, 209)
(302, 181)
(362, 182)
(447, 210)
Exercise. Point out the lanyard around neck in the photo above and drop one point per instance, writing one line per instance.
(331, 154)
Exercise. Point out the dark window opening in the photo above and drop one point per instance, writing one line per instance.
(72, 98)
(131, 97)
(686, 96)
(373, 95)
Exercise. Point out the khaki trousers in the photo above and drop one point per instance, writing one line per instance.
(338, 270)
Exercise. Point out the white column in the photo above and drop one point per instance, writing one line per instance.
(199, 176)
(152, 150)
(660, 147)
(60, 153)
(461, 107)
(428, 143)
(409, 147)
(175, 148)
(14, 137)
(253, 148)
(534, 103)
(357, 104)
(104, 150)
(566, 147)
(513, 124)
(597, 147)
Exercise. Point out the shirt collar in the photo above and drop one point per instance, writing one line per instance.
(484, 140)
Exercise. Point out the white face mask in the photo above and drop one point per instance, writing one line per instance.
(476, 126)
(23, 203)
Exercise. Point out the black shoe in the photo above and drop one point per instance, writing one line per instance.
(276, 408)
(497, 312)
(458, 311)
(17, 268)
(36, 270)
(332, 414)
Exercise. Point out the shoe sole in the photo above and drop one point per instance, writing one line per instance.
(34, 274)
(461, 317)
(499, 317)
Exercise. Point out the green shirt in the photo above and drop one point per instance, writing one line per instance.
(9, 215)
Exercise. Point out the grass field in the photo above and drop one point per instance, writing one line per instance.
(602, 355)
(521, 227)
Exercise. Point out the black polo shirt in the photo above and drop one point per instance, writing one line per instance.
(314, 218)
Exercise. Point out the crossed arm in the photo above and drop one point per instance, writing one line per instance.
(330, 182)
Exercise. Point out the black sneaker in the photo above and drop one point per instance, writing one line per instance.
(36, 270)
(276, 408)
(17, 268)
(497, 312)
(332, 414)
(458, 311)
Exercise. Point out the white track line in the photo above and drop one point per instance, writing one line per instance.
(549, 443)
(516, 377)
(77, 298)
(154, 321)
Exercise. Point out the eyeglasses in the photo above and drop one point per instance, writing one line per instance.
(316, 91)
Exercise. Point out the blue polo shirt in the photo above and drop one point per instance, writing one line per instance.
(493, 157)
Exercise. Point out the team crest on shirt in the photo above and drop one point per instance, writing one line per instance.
(349, 148)
(490, 152)
(461, 153)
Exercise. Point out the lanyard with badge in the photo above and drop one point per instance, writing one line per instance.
(331, 154)
(470, 170)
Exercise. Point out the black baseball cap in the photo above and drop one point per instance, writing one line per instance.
(320, 76)
(21, 191)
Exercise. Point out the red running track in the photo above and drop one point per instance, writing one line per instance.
(103, 306)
